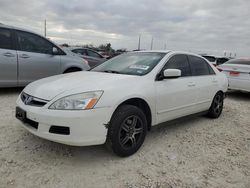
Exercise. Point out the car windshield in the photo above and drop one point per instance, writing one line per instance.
(139, 63)
(239, 62)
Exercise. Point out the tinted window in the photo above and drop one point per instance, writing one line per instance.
(93, 54)
(5, 39)
(210, 58)
(199, 66)
(79, 51)
(239, 61)
(221, 61)
(33, 43)
(179, 62)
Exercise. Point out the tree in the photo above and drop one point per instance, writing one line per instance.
(65, 45)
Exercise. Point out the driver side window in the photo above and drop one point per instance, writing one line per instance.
(179, 62)
(29, 42)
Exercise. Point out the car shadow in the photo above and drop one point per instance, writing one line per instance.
(10, 91)
(91, 154)
(238, 95)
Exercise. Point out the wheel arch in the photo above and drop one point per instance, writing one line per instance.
(141, 104)
(72, 68)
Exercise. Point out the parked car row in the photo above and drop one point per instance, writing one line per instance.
(118, 100)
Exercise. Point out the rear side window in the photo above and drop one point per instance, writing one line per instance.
(93, 54)
(221, 61)
(179, 62)
(79, 51)
(210, 58)
(199, 66)
(5, 39)
(33, 43)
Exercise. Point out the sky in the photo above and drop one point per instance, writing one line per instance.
(199, 26)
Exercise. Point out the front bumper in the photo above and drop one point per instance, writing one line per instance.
(86, 127)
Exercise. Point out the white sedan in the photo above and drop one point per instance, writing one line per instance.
(238, 73)
(118, 102)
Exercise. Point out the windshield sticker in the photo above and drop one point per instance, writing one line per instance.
(141, 67)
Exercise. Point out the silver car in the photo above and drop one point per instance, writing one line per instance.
(26, 57)
(94, 58)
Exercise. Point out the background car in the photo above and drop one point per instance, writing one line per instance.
(238, 73)
(26, 57)
(216, 60)
(94, 58)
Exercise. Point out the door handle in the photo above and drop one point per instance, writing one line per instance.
(25, 56)
(191, 84)
(8, 54)
(215, 81)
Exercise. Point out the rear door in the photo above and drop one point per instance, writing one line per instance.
(35, 58)
(8, 59)
(176, 97)
(206, 82)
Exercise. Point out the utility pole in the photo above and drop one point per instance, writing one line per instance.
(152, 43)
(165, 46)
(45, 28)
(139, 42)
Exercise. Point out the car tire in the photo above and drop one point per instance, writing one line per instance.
(216, 106)
(127, 130)
(70, 70)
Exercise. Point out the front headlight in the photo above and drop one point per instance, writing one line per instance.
(82, 101)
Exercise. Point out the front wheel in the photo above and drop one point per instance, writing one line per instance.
(127, 130)
(217, 106)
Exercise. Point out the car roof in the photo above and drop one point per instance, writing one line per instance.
(79, 47)
(214, 56)
(13, 27)
(29, 31)
(167, 52)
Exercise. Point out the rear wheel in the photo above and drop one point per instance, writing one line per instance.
(217, 106)
(127, 130)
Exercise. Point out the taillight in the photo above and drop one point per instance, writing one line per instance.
(85, 61)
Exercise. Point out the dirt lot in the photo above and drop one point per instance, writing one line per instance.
(196, 153)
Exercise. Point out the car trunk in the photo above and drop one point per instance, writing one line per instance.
(236, 71)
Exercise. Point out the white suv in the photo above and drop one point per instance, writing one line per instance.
(118, 101)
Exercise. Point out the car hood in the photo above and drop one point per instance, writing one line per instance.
(83, 81)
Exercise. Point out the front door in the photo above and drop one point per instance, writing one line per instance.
(176, 97)
(35, 58)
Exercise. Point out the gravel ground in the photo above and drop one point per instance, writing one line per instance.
(199, 152)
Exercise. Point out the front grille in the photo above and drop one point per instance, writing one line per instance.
(32, 101)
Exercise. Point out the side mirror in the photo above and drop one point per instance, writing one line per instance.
(172, 73)
(54, 51)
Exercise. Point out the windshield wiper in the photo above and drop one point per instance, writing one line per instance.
(112, 71)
